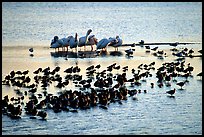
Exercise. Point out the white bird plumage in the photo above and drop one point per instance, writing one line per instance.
(73, 41)
(116, 42)
(103, 43)
(83, 40)
(92, 40)
(56, 43)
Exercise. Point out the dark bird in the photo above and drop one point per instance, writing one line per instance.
(171, 92)
(98, 66)
(181, 84)
(200, 74)
(155, 48)
(200, 51)
(31, 49)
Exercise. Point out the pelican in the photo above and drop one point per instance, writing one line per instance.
(116, 42)
(83, 40)
(65, 42)
(56, 43)
(92, 40)
(103, 43)
(73, 42)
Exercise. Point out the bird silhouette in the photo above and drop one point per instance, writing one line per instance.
(171, 92)
(181, 84)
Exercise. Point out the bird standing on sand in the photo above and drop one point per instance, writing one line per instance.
(56, 43)
(92, 40)
(171, 92)
(116, 42)
(103, 43)
(73, 41)
(83, 40)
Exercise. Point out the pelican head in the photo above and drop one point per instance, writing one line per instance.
(88, 32)
(76, 36)
(56, 37)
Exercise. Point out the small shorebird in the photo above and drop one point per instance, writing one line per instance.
(181, 84)
(171, 92)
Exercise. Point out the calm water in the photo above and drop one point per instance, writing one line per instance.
(27, 25)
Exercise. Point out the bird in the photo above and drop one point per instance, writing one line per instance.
(154, 49)
(129, 51)
(83, 39)
(171, 92)
(65, 42)
(174, 44)
(141, 42)
(92, 40)
(73, 41)
(103, 43)
(56, 43)
(31, 49)
(116, 42)
(200, 74)
(181, 84)
(200, 51)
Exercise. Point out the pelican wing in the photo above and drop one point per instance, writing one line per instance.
(73, 43)
(82, 41)
(102, 43)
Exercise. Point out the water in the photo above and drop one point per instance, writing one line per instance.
(26, 25)
(37, 23)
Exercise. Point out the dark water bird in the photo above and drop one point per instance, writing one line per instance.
(200, 74)
(147, 47)
(154, 49)
(200, 51)
(141, 42)
(31, 49)
(98, 66)
(181, 84)
(42, 114)
(174, 44)
(129, 51)
(171, 92)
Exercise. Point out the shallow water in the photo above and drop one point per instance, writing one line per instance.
(154, 113)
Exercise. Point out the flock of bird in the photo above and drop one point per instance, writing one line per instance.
(74, 42)
(97, 88)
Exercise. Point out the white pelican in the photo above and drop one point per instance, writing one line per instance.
(92, 40)
(103, 43)
(65, 42)
(83, 40)
(73, 42)
(56, 43)
(116, 42)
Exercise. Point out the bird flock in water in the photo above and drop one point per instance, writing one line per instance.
(98, 88)
(73, 42)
